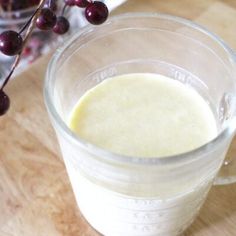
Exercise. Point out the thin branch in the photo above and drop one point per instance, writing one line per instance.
(28, 22)
(1, 10)
(27, 36)
(63, 10)
(9, 7)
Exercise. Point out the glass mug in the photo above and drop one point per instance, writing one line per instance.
(137, 196)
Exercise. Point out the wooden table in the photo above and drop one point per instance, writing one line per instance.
(35, 195)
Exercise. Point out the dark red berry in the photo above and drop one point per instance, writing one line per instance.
(69, 2)
(4, 103)
(11, 43)
(19, 4)
(81, 3)
(96, 13)
(52, 4)
(5, 3)
(62, 25)
(33, 2)
(46, 20)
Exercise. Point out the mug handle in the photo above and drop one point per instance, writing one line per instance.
(227, 173)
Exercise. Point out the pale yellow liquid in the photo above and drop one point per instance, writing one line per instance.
(146, 115)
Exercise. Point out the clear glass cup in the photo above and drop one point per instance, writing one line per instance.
(137, 196)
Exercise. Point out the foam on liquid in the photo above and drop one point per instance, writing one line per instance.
(144, 115)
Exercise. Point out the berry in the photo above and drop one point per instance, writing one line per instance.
(33, 2)
(81, 3)
(69, 2)
(52, 4)
(18, 5)
(11, 43)
(4, 103)
(62, 25)
(46, 20)
(4, 3)
(96, 13)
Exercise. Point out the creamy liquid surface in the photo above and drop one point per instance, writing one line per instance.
(146, 115)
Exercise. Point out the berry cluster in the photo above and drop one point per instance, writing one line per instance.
(95, 12)
(44, 18)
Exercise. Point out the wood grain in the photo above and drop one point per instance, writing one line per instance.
(35, 195)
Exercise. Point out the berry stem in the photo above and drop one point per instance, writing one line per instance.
(9, 6)
(27, 36)
(28, 22)
(63, 10)
(8, 77)
(1, 11)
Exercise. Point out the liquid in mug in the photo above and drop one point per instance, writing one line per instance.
(140, 115)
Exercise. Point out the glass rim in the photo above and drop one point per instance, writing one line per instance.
(108, 155)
